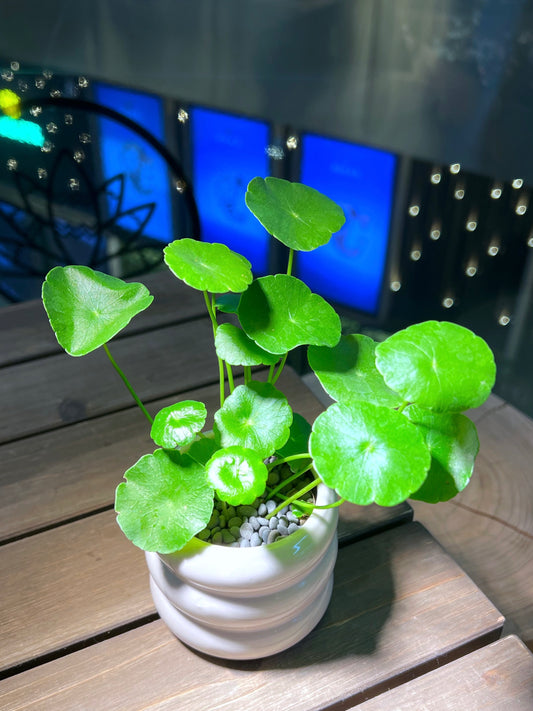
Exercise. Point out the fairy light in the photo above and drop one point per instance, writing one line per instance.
(471, 225)
(292, 143)
(530, 241)
(504, 319)
(521, 206)
(471, 270)
(448, 302)
(455, 168)
(459, 194)
(434, 233)
(493, 249)
(517, 183)
(395, 285)
(414, 210)
(435, 177)
(496, 191)
(415, 254)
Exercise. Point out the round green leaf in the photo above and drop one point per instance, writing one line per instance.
(208, 266)
(87, 308)
(453, 443)
(280, 312)
(438, 365)
(255, 416)
(369, 453)
(236, 348)
(178, 425)
(165, 501)
(348, 371)
(238, 475)
(202, 449)
(297, 215)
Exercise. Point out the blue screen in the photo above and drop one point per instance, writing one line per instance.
(145, 171)
(349, 269)
(228, 151)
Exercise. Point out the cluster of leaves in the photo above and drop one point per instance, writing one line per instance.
(396, 429)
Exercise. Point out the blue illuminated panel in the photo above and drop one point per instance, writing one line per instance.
(145, 171)
(228, 151)
(349, 269)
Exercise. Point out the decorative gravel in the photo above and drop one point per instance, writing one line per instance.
(246, 526)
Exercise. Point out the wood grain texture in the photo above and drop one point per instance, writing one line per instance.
(400, 605)
(60, 389)
(71, 471)
(498, 677)
(30, 335)
(488, 528)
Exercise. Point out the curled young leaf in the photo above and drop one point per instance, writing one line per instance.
(256, 416)
(440, 366)
(369, 453)
(297, 215)
(280, 312)
(208, 266)
(178, 425)
(165, 501)
(237, 474)
(453, 443)
(348, 371)
(87, 308)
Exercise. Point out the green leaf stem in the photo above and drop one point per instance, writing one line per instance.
(87, 308)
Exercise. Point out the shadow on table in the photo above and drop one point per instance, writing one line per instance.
(362, 602)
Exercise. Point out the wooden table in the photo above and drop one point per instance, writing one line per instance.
(78, 627)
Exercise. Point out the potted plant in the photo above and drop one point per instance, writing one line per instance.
(238, 524)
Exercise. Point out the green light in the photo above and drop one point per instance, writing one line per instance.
(22, 131)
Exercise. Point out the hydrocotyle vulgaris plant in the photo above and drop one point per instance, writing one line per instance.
(395, 431)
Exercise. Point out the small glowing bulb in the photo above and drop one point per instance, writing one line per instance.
(471, 270)
(292, 143)
(517, 183)
(521, 208)
(414, 210)
(395, 285)
(180, 185)
(435, 178)
(415, 255)
(459, 194)
(448, 302)
(504, 320)
(493, 250)
(471, 225)
(434, 234)
(496, 193)
(455, 168)
(183, 116)
(530, 242)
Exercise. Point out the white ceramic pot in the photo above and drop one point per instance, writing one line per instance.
(246, 603)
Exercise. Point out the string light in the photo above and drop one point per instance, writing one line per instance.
(517, 183)
(414, 210)
(459, 194)
(471, 270)
(496, 191)
(448, 302)
(415, 254)
(493, 249)
(504, 319)
(471, 225)
(455, 168)
(395, 285)
(434, 233)
(292, 143)
(521, 206)
(435, 177)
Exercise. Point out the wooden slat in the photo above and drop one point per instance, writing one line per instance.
(27, 333)
(399, 604)
(498, 677)
(488, 528)
(60, 389)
